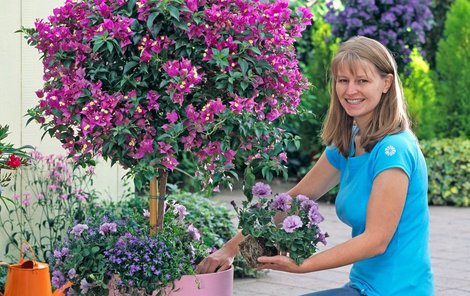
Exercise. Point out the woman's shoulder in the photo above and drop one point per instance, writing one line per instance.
(402, 141)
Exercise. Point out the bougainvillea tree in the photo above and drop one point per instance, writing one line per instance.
(400, 25)
(138, 82)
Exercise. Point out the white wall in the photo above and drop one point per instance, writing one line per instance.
(21, 76)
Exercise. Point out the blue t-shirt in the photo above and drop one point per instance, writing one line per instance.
(405, 267)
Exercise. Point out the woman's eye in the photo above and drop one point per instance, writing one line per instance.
(342, 81)
(363, 81)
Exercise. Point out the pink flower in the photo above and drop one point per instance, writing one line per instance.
(172, 117)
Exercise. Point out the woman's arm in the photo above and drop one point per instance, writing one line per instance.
(384, 210)
(318, 181)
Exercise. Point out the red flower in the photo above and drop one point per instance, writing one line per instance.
(14, 161)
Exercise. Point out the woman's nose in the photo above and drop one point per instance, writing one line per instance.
(351, 88)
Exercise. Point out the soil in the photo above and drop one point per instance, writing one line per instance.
(253, 247)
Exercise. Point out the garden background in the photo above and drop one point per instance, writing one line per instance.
(436, 80)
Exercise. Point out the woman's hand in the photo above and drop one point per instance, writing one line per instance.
(219, 261)
(279, 262)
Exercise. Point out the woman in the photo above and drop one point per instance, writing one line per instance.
(382, 174)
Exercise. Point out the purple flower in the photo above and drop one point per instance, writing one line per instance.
(291, 223)
(308, 204)
(146, 213)
(78, 229)
(57, 279)
(314, 215)
(193, 232)
(301, 198)
(321, 237)
(180, 210)
(281, 202)
(85, 286)
(106, 228)
(261, 190)
(72, 273)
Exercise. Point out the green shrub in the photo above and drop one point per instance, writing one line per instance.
(452, 66)
(449, 171)
(420, 95)
(439, 9)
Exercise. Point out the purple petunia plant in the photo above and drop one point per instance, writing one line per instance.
(297, 232)
(140, 82)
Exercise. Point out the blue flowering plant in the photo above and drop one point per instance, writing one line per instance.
(294, 231)
(111, 252)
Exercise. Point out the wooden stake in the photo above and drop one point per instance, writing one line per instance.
(153, 206)
(163, 177)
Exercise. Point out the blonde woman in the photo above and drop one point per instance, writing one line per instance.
(382, 176)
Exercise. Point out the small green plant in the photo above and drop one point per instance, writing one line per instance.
(449, 171)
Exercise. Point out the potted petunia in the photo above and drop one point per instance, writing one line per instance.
(282, 224)
(139, 82)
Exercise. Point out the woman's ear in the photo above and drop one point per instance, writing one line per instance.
(388, 83)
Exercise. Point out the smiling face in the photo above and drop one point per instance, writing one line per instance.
(360, 89)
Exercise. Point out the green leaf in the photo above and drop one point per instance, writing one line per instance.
(152, 18)
(243, 65)
(97, 45)
(174, 12)
(129, 65)
(255, 50)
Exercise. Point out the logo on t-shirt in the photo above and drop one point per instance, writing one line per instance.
(390, 150)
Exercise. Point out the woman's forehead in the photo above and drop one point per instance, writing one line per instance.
(355, 68)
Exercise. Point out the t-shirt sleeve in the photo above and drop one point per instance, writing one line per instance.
(334, 156)
(395, 151)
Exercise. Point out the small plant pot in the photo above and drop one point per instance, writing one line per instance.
(253, 247)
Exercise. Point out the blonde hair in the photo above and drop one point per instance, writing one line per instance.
(390, 115)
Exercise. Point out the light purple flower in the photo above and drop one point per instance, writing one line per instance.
(261, 190)
(308, 204)
(301, 198)
(72, 273)
(78, 229)
(85, 286)
(57, 279)
(193, 232)
(106, 228)
(180, 210)
(321, 237)
(146, 213)
(291, 223)
(281, 202)
(314, 215)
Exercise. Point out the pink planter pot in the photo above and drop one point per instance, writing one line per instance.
(209, 284)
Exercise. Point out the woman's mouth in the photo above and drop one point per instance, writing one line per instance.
(354, 101)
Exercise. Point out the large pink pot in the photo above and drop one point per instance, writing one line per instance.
(209, 284)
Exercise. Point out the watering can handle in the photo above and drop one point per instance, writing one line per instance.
(32, 253)
(61, 290)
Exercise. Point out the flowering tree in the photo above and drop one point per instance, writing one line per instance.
(400, 25)
(138, 82)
